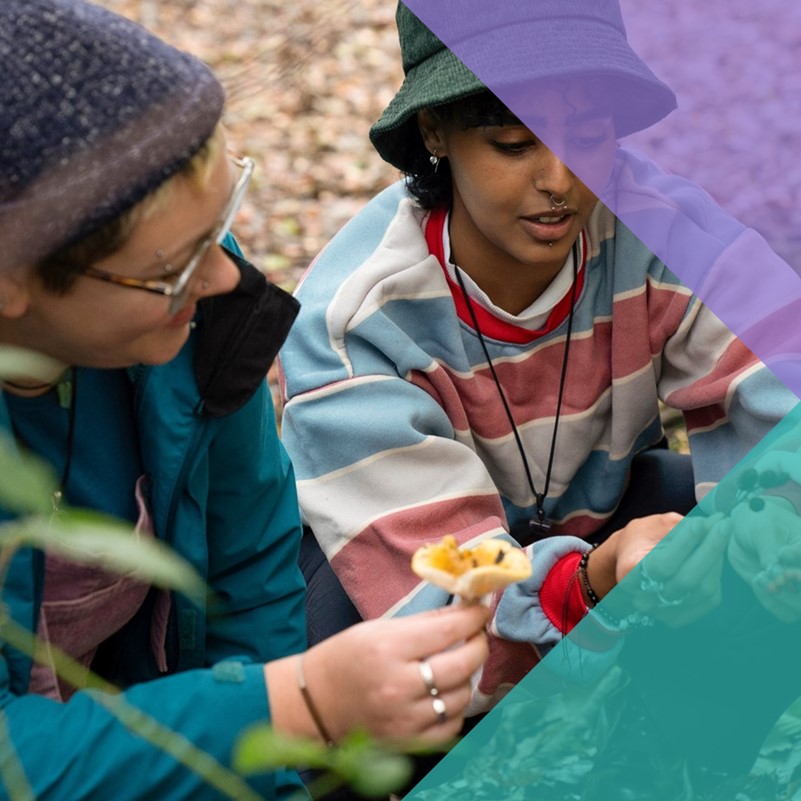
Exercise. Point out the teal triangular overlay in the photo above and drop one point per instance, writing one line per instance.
(682, 699)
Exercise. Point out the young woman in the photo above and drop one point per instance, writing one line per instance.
(116, 195)
(482, 350)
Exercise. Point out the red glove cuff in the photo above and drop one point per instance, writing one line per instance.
(560, 594)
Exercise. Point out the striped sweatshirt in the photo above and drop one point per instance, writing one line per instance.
(398, 435)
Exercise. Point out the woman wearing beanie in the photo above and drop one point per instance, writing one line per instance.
(482, 350)
(116, 195)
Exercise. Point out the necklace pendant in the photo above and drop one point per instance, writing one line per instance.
(539, 526)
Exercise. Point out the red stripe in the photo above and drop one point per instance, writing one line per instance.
(580, 525)
(488, 323)
(508, 663)
(530, 386)
(706, 417)
(714, 387)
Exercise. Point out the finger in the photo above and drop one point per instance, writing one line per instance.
(453, 668)
(779, 598)
(694, 538)
(701, 563)
(426, 633)
(445, 610)
(790, 556)
(442, 721)
(763, 533)
(781, 579)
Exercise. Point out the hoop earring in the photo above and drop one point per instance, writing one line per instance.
(434, 159)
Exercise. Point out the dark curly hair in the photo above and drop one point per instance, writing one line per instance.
(432, 189)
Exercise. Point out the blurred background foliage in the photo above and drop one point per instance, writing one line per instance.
(305, 80)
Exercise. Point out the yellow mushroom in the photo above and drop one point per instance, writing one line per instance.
(471, 572)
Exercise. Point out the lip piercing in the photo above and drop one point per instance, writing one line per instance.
(558, 204)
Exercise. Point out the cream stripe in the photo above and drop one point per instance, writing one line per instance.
(336, 387)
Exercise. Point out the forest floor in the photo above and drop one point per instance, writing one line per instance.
(305, 80)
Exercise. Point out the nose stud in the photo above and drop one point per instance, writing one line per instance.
(558, 203)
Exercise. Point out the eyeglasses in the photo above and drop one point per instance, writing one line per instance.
(176, 290)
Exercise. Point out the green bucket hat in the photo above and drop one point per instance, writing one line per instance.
(533, 40)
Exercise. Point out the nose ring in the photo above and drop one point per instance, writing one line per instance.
(558, 204)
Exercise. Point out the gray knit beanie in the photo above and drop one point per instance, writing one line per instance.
(95, 112)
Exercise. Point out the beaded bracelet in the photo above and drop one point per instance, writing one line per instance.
(634, 620)
(310, 705)
(584, 579)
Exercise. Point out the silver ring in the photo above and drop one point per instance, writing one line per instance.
(649, 584)
(662, 601)
(559, 204)
(439, 708)
(205, 285)
(428, 677)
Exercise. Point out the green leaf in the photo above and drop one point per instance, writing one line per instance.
(369, 767)
(358, 760)
(260, 749)
(92, 538)
(27, 483)
(381, 773)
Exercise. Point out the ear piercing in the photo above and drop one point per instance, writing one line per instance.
(434, 159)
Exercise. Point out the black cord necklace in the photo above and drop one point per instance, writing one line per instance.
(70, 396)
(539, 525)
(66, 392)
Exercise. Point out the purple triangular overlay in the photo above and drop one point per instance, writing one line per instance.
(729, 265)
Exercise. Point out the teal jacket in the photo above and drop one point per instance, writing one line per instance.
(223, 496)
